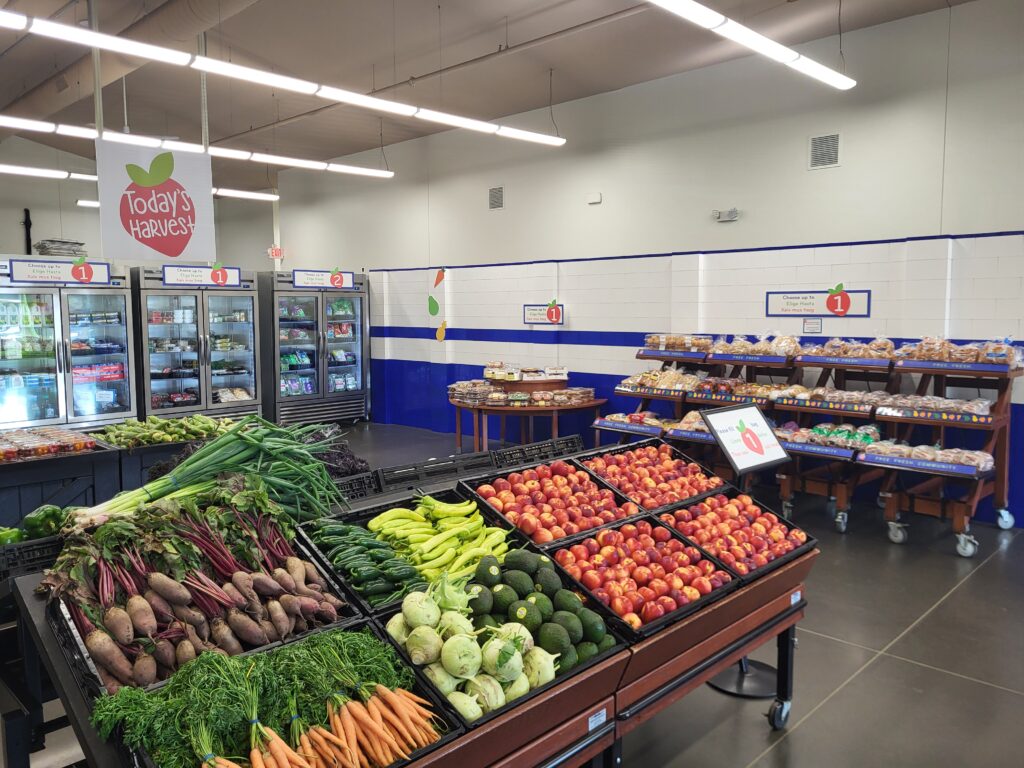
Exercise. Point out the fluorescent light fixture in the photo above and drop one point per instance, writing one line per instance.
(11, 20)
(456, 121)
(249, 74)
(24, 170)
(537, 138)
(756, 42)
(183, 146)
(83, 176)
(295, 162)
(231, 154)
(811, 68)
(244, 194)
(359, 171)
(78, 131)
(695, 13)
(362, 100)
(21, 124)
(131, 138)
(82, 36)
(88, 203)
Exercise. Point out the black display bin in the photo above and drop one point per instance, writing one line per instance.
(537, 453)
(361, 486)
(408, 477)
(27, 557)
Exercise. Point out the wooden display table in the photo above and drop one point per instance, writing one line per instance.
(481, 412)
(530, 385)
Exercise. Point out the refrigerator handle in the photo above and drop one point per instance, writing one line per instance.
(209, 350)
(67, 356)
(201, 351)
(323, 334)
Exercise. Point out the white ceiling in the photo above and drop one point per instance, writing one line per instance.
(377, 45)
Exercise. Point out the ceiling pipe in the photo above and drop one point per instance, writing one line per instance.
(175, 24)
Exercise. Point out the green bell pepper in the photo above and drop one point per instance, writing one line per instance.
(44, 521)
(11, 536)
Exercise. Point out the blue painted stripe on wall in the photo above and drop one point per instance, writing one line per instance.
(759, 249)
(413, 393)
(587, 338)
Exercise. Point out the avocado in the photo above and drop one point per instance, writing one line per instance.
(585, 651)
(519, 581)
(543, 603)
(543, 561)
(546, 581)
(485, 620)
(503, 596)
(526, 614)
(488, 572)
(481, 600)
(564, 600)
(567, 661)
(553, 638)
(572, 625)
(608, 641)
(521, 560)
(594, 629)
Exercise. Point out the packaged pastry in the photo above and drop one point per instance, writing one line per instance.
(814, 350)
(925, 452)
(721, 346)
(881, 347)
(621, 417)
(802, 435)
(818, 394)
(979, 407)
(741, 345)
(1000, 352)
(870, 431)
(905, 352)
(785, 431)
(857, 349)
(653, 341)
(835, 346)
(761, 347)
(787, 346)
(964, 353)
(933, 348)
(693, 422)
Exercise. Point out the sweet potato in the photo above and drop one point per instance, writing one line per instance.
(189, 615)
(282, 577)
(300, 625)
(184, 652)
(278, 618)
(313, 575)
(333, 600)
(161, 608)
(264, 585)
(327, 613)
(144, 670)
(234, 594)
(163, 652)
(105, 653)
(296, 569)
(291, 605)
(308, 606)
(245, 629)
(141, 614)
(224, 637)
(168, 589)
(270, 630)
(243, 583)
(118, 624)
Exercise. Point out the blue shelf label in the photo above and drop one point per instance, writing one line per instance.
(621, 426)
(920, 465)
(826, 360)
(818, 450)
(686, 434)
(726, 358)
(939, 365)
(670, 354)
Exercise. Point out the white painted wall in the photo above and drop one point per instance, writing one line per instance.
(245, 229)
(667, 152)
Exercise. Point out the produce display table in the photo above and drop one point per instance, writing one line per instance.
(481, 412)
(568, 725)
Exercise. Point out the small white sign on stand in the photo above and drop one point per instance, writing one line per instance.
(745, 437)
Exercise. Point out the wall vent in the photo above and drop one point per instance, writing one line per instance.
(496, 198)
(824, 152)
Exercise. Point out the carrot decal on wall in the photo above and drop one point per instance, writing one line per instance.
(434, 306)
(750, 439)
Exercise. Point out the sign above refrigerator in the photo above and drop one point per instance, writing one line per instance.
(216, 276)
(331, 279)
(78, 272)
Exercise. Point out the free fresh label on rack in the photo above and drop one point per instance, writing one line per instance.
(223, 277)
(81, 271)
(322, 278)
(745, 438)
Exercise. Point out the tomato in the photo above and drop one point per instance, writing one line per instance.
(659, 586)
(621, 606)
(651, 611)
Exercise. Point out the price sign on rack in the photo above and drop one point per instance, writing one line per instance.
(745, 437)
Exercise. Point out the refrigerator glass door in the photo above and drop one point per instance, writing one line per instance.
(174, 352)
(98, 347)
(31, 364)
(298, 345)
(343, 343)
(231, 323)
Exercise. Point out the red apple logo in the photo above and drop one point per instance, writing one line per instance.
(81, 271)
(219, 275)
(337, 278)
(750, 439)
(554, 312)
(155, 209)
(838, 301)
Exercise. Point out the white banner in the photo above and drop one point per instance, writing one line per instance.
(155, 204)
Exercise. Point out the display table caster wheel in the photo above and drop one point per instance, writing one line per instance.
(966, 545)
(841, 520)
(787, 510)
(778, 714)
(880, 502)
(830, 506)
(898, 533)
(1004, 519)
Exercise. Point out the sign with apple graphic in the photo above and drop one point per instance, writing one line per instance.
(77, 272)
(323, 278)
(551, 313)
(82, 270)
(216, 276)
(745, 437)
(155, 204)
(833, 302)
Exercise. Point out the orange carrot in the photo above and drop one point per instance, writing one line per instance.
(269, 761)
(395, 703)
(414, 719)
(348, 727)
(371, 748)
(365, 720)
(256, 758)
(223, 762)
(322, 748)
(412, 696)
(393, 721)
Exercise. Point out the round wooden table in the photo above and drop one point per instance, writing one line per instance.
(481, 412)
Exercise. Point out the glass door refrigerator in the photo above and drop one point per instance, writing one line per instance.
(198, 341)
(66, 343)
(316, 368)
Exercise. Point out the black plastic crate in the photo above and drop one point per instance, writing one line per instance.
(620, 644)
(361, 486)
(79, 479)
(646, 630)
(28, 557)
(537, 453)
(656, 442)
(773, 565)
(408, 477)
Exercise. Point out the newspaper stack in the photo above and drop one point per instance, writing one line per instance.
(72, 248)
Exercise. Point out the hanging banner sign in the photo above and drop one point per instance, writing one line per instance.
(745, 437)
(155, 204)
(835, 302)
(79, 271)
(218, 276)
(322, 278)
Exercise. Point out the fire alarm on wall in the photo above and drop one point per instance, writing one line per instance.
(723, 217)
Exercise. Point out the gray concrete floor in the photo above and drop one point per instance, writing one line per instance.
(908, 656)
